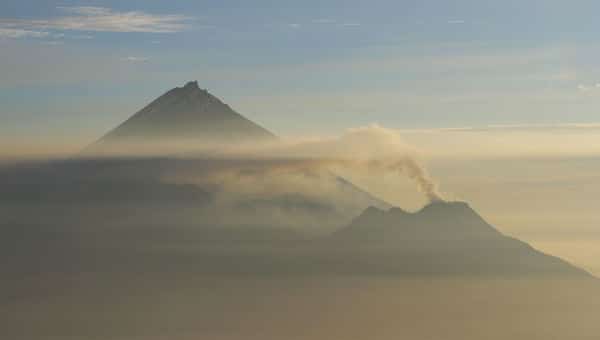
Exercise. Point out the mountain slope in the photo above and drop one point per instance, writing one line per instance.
(183, 114)
(442, 238)
(438, 221)
(359, 195)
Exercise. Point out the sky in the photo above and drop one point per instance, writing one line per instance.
(502, 97)
(73, 69)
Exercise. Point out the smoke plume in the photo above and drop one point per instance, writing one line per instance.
(371, 150)
(416, 172)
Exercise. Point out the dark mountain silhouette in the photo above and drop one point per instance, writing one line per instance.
(92, 212)
(351, 190)
(438, 221)
(105, 192)
(186, 113)
(96, 206)
(442, 238)
(188, 119)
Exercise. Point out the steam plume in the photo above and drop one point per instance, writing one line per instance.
(415, 171)
(370, 148)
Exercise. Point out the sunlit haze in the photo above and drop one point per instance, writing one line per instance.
(299, 169)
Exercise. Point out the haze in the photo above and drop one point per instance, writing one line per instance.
(299, 170)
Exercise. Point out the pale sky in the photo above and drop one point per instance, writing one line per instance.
(73, 69)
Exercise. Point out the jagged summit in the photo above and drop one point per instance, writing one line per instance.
(444, 237)
(449, 208)
(192, 85)
(438, 220)
(186, 113)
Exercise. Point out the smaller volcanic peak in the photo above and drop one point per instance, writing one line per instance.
(447, 216)
(441, 238)
(395, 211)
(447, 207)
(459, 218)
(185, 114)
(438, 220)
(370, 213)
(444, 211)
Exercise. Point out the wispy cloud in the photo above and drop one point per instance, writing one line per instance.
(98, 19)
(53, 42)
(133, 59)
(324, 21)
(81, 37)
(510, 128)
(14, 33)
(507, 141)
(588, 88)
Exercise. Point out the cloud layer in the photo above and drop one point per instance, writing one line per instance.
(363, 151)
(15, 33)
(94, 19)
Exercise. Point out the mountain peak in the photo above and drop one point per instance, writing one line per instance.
(443, 237)
(183, 114)
(372, 211)
(436, 221)
(447, 207)
(190, 93)
(459, 215)
(397, 211)
(192, 85)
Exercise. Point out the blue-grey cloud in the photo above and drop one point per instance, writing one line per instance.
(15, 33)
(99, 19)
(134, 59)
(588, 87)
(324, 21)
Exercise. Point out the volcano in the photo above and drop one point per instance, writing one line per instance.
(185, 114)
(443, 238)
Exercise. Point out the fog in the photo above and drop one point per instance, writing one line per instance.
(248, 242)
(186, 306)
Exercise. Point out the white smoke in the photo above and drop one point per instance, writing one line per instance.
(373, 149)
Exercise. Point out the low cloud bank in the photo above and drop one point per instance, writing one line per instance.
(371, 150)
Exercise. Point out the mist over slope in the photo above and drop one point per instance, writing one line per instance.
(298, 225)
(444, 238)
(187, 171)
(189, 221)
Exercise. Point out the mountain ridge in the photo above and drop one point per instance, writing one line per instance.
(445, 237)
(186, 113)
(442, 237)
